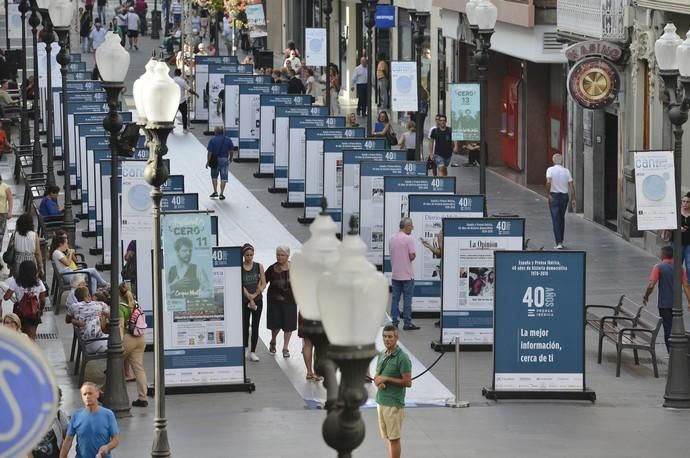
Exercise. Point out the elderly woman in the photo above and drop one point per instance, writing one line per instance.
(280, 303)
(12, 322)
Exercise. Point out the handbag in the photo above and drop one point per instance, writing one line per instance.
(430, 164)
(8, 256)
(392, 138)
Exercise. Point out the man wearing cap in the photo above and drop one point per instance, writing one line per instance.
(133, 23)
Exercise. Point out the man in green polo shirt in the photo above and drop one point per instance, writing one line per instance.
(393, 376)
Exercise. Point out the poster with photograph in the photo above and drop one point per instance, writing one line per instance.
(136, 201)
(313, 172)
(256, 19)
(188, 266)
(203, 343)
(14, 20)
(404, 86)
(201, 70)
(397, 191)
(371, 195)
(655, 190)
(315, 47)
(250, 117)
(465, 111)
(231, 85)
(469, 280)
(427, 212)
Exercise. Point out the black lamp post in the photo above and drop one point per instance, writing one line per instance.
(7, 23)
(24, 137)
(673, 59)
(155, 21)
(482, 18)
(327, 9)
(419, 21)
(370, 22)
(48, 39)
(37, 159)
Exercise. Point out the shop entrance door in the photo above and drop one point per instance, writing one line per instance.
(611, 171)
(510, 122)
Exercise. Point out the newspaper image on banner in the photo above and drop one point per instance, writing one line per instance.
(315, 47)
(188, 265)
(465, 111)
(136, 201)
(256, 20)
(655, 187)
(404, 86)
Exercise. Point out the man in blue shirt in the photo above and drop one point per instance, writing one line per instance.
(218, 160)
(49, 202)
(95, 427)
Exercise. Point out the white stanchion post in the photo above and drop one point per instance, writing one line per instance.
(457, 403)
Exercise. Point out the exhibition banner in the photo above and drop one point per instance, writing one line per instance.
(371, 195)
(72, 109)
(350, 188)
(403, 86)
(136, 203)
(296, 152)
(655, 190)
(465, 111)
(427, 212)
(267, 121)
(203, 343)
(79, 75)
(215, 84)
(14, 20)
(540, 321)
(256, 20)
(201, 72)
(188, 265)
(333, 169)
(469, 280)
(250, 117)
(396, 193)
(75, 98)
(231, 120)
(315, 47)
(282, 139)
(313, 173)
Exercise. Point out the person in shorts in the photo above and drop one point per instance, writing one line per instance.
(393, 377)
(218, 159)
(441, 146)
(133, 25)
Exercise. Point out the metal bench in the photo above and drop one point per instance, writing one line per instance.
(639, 336)
(61, 281)
(83, 356)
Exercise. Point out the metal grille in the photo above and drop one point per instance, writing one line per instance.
(601, 19)
(550, 43)
(46, 336)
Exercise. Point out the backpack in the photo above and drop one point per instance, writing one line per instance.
(137, 323)
(28, 306)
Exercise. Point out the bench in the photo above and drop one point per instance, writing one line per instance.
(61, 282)
(627, 325)
(83, 356)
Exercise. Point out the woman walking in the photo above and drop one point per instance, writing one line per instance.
(281, 304)
(26, 283)
(26, 244)
(253, 284)
(134, 346)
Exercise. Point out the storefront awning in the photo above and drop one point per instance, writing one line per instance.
(536, 44)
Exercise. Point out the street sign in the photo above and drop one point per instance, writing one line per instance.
(28, 394)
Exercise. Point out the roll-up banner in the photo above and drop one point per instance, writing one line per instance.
(403, 86)
(333, 169)
(465, 112)
(72, 109)
(655, 190)
(201, 72)
(313, 161)
(14, 20)
(267, 145)
(469, 280)
(315, 47)
(215, 84)
(396, 200)
(75, 99)
(350, 188)
(539, 349)
(427, 213)
(250, 117)
(371, 195)
(231, 120)
(79, 75)
(296, 153)
(282, 140)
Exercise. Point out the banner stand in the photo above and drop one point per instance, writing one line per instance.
(274, 190)
(441, 347)
(248, 386)
(585, 395)
(262, 175)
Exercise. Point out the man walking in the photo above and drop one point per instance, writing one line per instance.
(360, 80)
(133, 25)
(97, 35)
(441, 146)
(382, 81)
(393, 376)
(184, 88)
(558, 183)
(219, 148)
(95, 427)
(402, 252)
(662, 273)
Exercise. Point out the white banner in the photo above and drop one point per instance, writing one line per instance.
(404, 86)
(136, 202)
(655, 189)
(14, 26)
(315, 47)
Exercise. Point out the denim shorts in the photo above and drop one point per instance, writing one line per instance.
(221, 169)
(441, 161)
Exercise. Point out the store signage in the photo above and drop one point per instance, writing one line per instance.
(594, 83)
(584, 49)
(385, 16)
(655, 190)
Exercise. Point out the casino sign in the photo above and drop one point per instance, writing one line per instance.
(593, 80)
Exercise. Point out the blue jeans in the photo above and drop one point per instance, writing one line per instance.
(406, 287)
(221, 169)
(559, 205)
(686, 257)
(667, 321)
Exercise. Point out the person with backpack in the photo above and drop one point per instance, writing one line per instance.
(133, 328)
(31, 297)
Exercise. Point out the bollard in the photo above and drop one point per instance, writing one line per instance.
(457, 403)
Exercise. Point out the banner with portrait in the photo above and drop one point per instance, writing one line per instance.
(465, 111)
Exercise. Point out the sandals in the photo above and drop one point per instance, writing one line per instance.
(286, 353)
(310, 377)
(314, 377)
(272, 346)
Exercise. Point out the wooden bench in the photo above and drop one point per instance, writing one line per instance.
(627, 325)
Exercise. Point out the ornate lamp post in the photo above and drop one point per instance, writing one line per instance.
(113, 63)
(62, 12)
(327, 9)
(481, 14)
(156, 96)
(673, 58)
(419, 21)
(48, 39)
(155, 21)
(370, 22)
(24, 138)
(342, 312)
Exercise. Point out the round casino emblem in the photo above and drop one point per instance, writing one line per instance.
(593, 83)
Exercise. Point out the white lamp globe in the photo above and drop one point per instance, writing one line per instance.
(470, 11)
(486, 14)
(683, 57)
(61, 12)
(161, 96)
(138, 89)
(665, 48)
(112, 59)
(43, 4)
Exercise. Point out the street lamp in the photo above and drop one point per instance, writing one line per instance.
(481, 15)
(673, 58)
(342, 309)
(419, 22)
(48, 39)
(156, 98)
(61, 13)
(327, 9)
(155, 21)
(113, 62)
(24, 122)
(370, 22)
(37, 158)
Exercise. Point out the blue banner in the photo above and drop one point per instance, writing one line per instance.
(230, 84)
(250, 116)
(385, 16)
(539, 321)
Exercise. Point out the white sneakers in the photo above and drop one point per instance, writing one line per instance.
(559, 246)
(253, 357)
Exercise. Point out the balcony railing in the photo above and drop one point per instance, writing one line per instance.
(600, 19)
